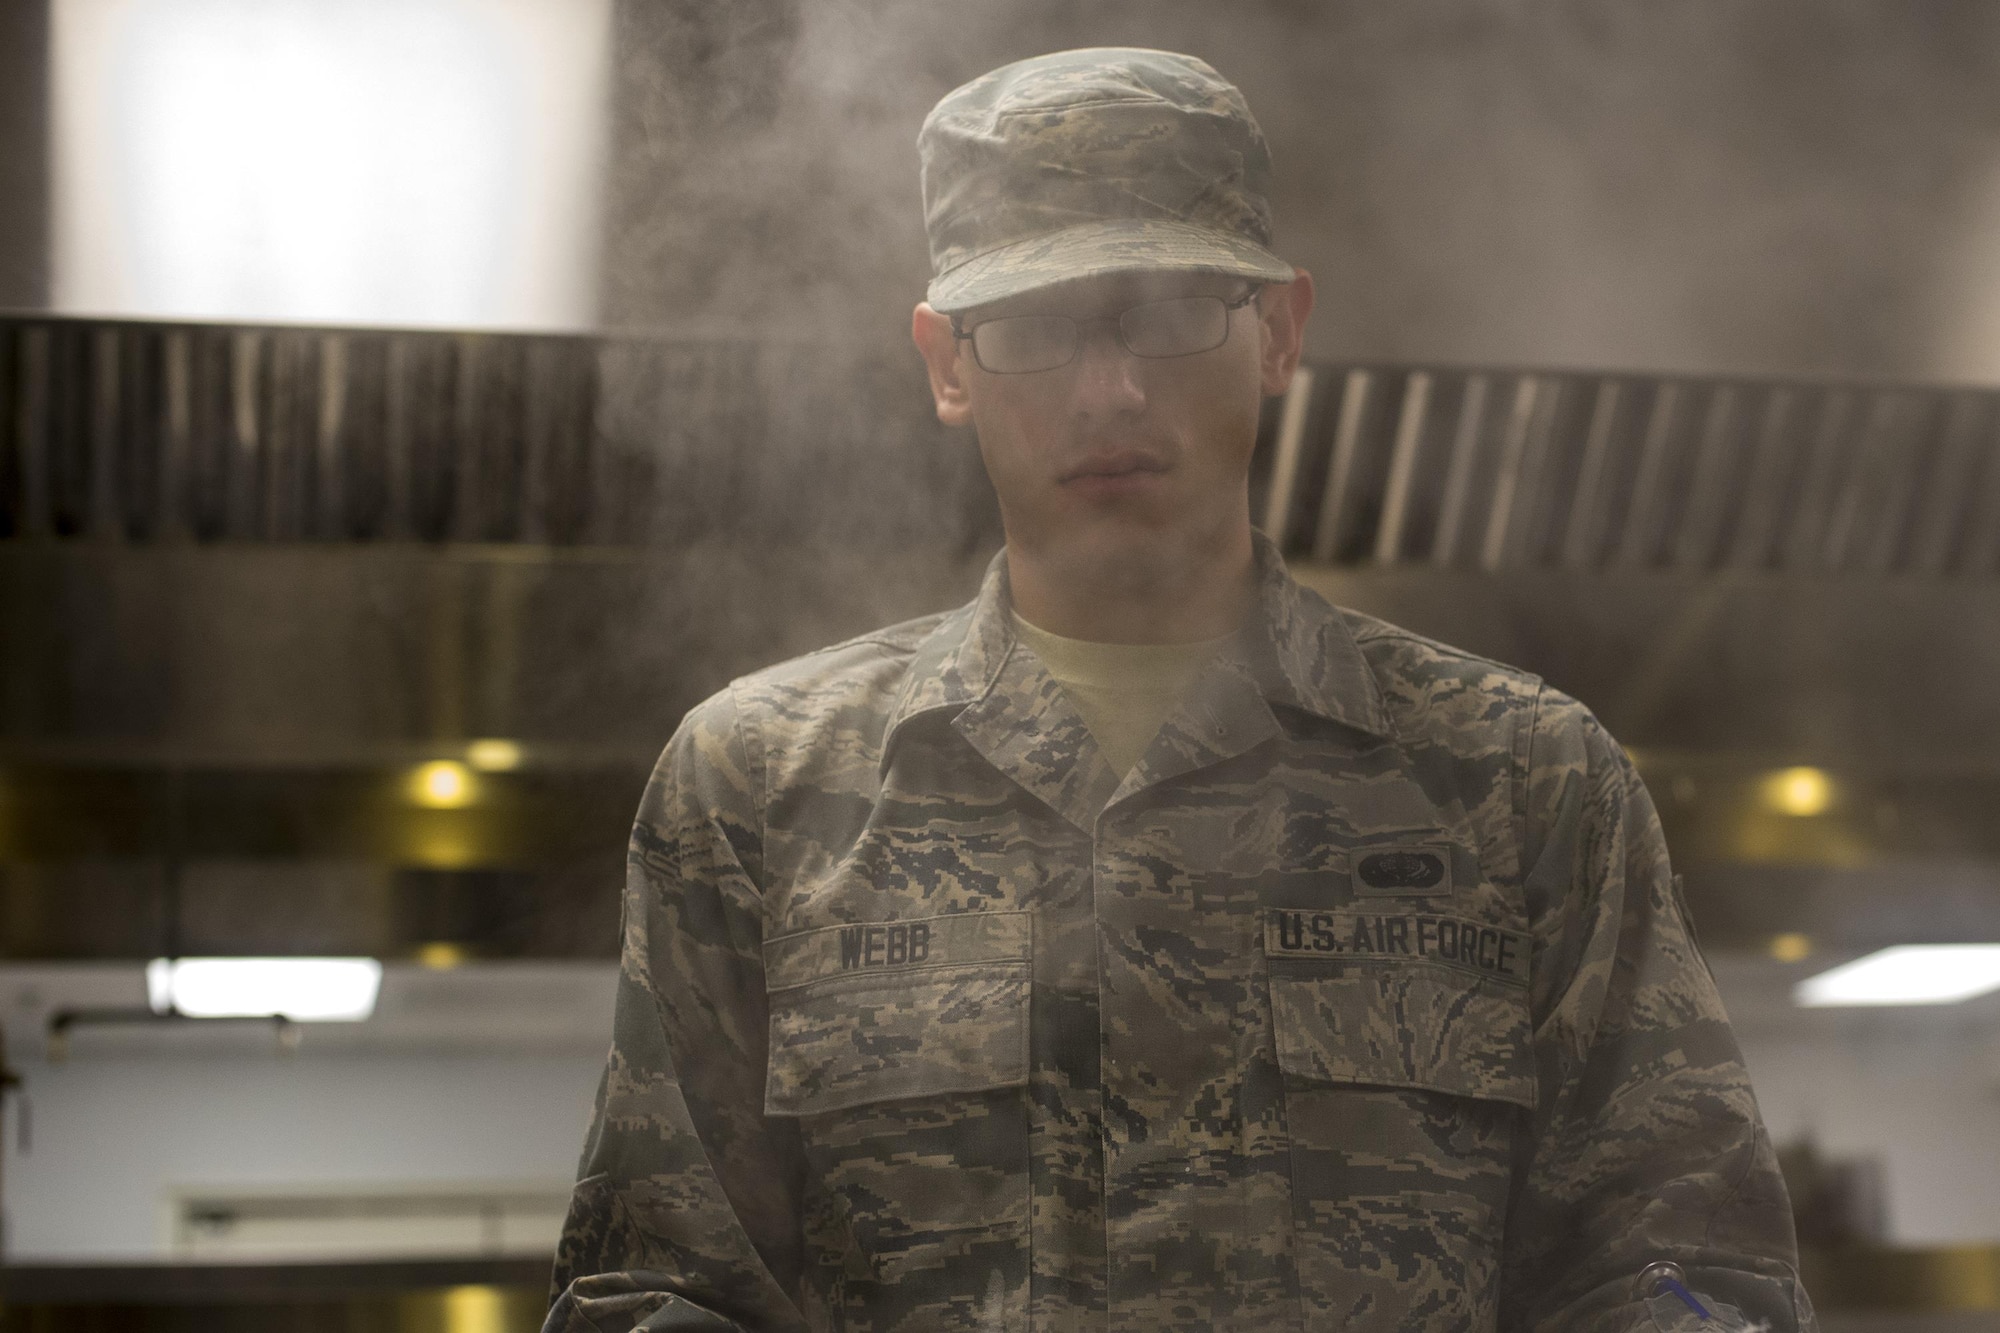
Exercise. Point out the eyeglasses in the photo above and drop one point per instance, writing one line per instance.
(1178, 326)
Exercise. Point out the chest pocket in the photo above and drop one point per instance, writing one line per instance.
(1405, 1042)
(901, 1050)
(883, 1012)
(1401, 1000)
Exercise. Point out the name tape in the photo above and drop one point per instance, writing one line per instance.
(807, 956)
(884, 946)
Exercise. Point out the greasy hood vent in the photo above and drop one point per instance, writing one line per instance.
(133, 431)
(136, 432)
(1484, 469)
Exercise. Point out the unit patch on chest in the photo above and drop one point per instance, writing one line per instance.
(1399, 937)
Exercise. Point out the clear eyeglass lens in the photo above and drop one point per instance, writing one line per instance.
(1021, 343)
(1179, 327)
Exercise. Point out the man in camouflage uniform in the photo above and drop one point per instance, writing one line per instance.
(1338, 982)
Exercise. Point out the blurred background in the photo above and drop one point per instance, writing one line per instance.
(408, 408)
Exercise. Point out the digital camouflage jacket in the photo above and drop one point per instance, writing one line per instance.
(1366, 1001)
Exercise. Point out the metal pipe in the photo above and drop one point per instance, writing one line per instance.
(1285, 466)
(63, 1021)
(1639, 513)
(1762, 494)
(1861, 484)
(1402, 466)
(1458, 473)
(1801, 550)
(1980, 551)
(1340, 472)
(1585, 529)
(1941, 508)
(1513, 448)
(1902, 455)
(1708, 491)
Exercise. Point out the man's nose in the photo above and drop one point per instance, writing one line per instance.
(1108, 380)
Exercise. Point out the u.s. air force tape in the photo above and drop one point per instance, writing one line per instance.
(1398, 937)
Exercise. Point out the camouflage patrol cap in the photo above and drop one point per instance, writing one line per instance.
(1081, 163)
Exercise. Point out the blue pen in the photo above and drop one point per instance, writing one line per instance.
(1677, 1289)
(1663, 1274)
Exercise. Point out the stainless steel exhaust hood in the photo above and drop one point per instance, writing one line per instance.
(259, 575)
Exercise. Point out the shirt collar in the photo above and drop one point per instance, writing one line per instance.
(1305, 657)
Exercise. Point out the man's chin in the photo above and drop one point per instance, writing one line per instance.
(1123, 548)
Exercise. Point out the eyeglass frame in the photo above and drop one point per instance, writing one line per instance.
(961, 333)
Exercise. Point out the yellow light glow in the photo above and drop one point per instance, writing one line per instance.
(1791, 947)
(441, 955)
(1799, 791)
(450, 847)
(443, 785)
(475, 1310)
(494, 756)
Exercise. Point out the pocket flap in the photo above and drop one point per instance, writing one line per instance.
(1402, 1000)
(882, 1011)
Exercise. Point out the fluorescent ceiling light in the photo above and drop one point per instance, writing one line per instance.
(306, 990)
(368, 161)
(1907, 974)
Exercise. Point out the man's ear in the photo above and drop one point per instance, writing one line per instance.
(932, 334)
(1283, 311)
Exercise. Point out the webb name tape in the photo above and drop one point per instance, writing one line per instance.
(865, 947)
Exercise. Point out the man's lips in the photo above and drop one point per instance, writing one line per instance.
(1113, 463)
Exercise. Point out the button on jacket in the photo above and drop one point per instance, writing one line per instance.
(1365, 1001)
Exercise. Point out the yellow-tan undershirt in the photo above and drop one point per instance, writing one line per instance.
(1123, 691)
